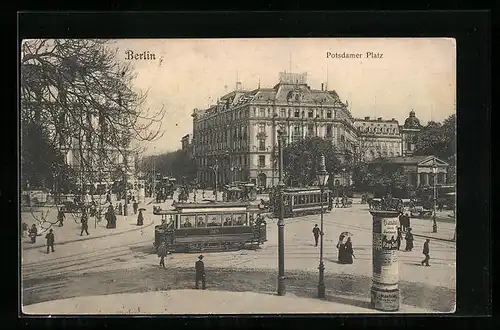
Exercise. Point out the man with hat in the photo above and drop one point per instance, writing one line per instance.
(200, 273)
(50, 241)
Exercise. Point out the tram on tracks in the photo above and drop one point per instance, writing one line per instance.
(195, 227)
(301, 201)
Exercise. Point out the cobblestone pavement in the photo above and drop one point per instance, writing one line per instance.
(77, 270)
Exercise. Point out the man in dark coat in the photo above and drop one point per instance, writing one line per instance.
(200, 273)
(50, 241)
(85, 222)
(409, 240)
(162, 253)
(135, 205)
(316, 232)
(60, 217)
(400, 237)
(33, 232)
(426, 253)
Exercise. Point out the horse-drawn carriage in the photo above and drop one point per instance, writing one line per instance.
(240, 191)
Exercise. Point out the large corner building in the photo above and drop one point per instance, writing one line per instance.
(236, 139)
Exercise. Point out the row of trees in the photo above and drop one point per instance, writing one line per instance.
(76, 95)
(178, 164)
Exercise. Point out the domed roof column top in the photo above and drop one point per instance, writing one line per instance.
(412, 121)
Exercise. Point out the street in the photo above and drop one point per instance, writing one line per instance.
(125, 263)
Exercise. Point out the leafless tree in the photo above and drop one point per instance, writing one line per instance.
(83, 95)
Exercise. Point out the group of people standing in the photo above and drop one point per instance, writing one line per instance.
(345, 249)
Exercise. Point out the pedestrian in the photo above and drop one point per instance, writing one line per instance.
(426, 253)
(108, 198)
(162, 253)
(200, 273)
(316, 232)
(409, 240)
(24, 228)
(349, 252)
(50, 241)
(340, 247)
(203, 194)
(60, 217)
(120, 208)
(33, 232)
(85, 222)
(337, 201)
(140, 218)
(400, 237)
(194, 196)
(135, 205)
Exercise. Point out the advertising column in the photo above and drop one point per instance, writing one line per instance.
(385, 290)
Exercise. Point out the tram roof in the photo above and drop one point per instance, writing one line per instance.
(304, 190)
(210, 204)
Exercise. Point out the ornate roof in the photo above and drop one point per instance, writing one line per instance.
(412, 121)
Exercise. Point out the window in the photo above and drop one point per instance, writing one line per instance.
(282, 113)
(262, 113)
(310, 129)
(329, 114)
(329, 130)
(310, 114)
(255, 112)
(262, 144)
(262, 128)
(342, 138)
(296, 130)
(262, 160)
(269, 112)
(296, 114)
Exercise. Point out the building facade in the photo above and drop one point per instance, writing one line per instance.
(411, 127)
(236, 139)
(419, 169)
(378, 138)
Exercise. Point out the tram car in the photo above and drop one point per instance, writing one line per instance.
(300, 201)
(195, 227)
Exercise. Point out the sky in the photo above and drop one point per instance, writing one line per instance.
(412, 73)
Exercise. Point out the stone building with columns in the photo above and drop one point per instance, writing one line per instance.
(237, 137)
(419, 169)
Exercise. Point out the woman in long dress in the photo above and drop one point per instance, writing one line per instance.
(348, 253)
(409, 240)
(340, 247)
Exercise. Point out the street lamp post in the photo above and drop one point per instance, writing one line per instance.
(322, 178)
(215, 168)
(434, 171)
(281, 223)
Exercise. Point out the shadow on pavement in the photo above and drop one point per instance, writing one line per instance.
(300, 283)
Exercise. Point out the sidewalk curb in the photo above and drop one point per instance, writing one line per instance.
(435, 238)
(91, 237)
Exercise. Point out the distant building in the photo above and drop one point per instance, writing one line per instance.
(237, 137)
(418, 169)
(186, 144)
(378, 138)
(239, 133)
(408, 131)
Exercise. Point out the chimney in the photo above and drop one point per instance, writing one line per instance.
(322, 84)
(367, 118)
(379, 118)
(393, 119)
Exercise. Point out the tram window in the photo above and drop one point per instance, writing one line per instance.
(201, 221)
(186, 222)
(215, 221)
(238, 219)
(251, 219)
(228, 221)
(295, 201)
